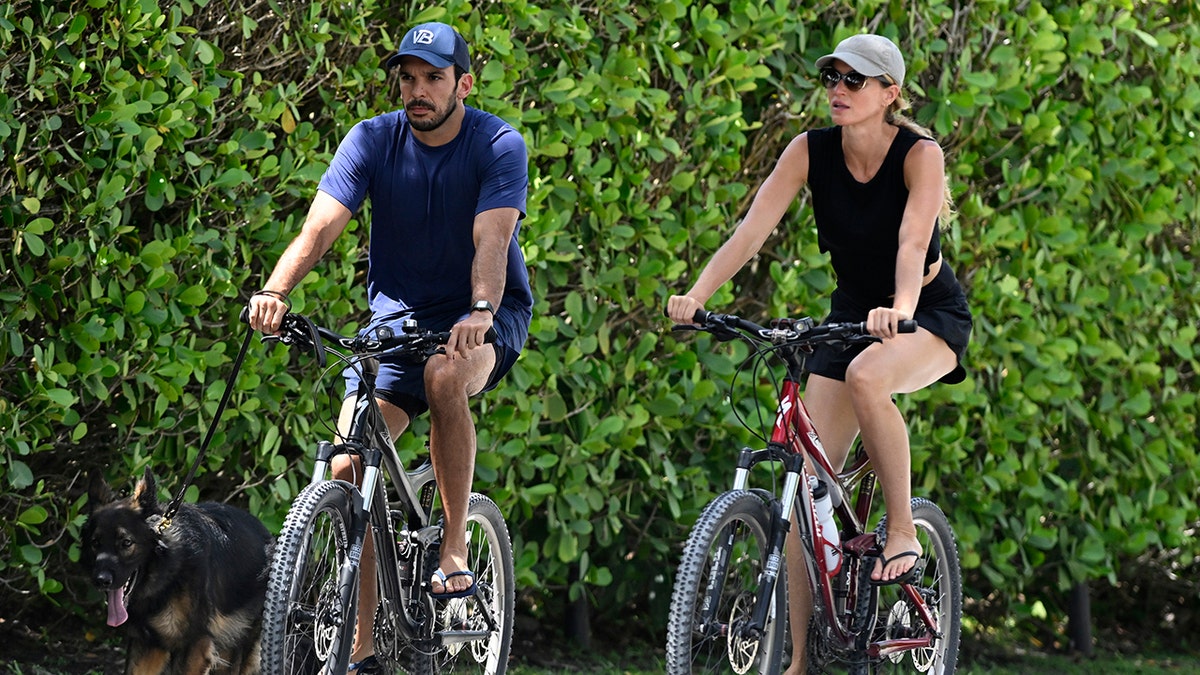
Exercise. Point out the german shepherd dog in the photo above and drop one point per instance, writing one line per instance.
(191, 595)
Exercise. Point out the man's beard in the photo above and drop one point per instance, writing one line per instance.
(431, 124)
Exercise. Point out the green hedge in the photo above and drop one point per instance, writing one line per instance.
(154, 162)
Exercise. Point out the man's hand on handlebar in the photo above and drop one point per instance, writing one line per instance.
(266, 311)
(469, 334)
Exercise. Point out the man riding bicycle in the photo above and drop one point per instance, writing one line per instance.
(447, 185)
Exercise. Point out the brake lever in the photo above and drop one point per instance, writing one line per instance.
(844, 342)
(300, 331)
(724, 333)
(314, 339)
(721, 333)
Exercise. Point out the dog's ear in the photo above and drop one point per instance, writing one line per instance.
(145, 495)
(99, 493)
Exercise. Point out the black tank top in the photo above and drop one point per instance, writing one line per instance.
(858, 224)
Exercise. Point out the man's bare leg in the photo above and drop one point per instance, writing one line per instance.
(449, 384)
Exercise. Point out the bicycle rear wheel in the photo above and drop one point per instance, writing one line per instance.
(308, 621)
(716, 590)
(474, 634)
(941, 588)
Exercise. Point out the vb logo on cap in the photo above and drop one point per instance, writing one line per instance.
(435, 43)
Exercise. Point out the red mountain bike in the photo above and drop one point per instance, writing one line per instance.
(728, 609)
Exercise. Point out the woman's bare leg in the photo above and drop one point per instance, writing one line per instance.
(900, 365)
(828, 404)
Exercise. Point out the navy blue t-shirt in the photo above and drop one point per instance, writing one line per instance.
(423, 205)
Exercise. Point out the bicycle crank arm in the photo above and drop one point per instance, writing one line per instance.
(447, 638)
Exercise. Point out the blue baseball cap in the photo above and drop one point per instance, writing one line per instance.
(435, 43)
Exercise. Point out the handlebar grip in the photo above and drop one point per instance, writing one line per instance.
(700, 317)
(907, 326)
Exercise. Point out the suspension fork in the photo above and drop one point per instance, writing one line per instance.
(780, 524)
(366, 493)
(718, 566)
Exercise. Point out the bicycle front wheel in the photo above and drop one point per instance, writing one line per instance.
(474, 634)
(710, 627)
(941, 588)
(308, 621)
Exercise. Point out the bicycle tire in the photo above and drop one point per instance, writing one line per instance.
(940, 584)
(309, 617)
(735, 527)
(490, 557)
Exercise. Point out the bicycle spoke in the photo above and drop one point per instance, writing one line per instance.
(476, 632)
(939, 591)
(712, 628)
(308, 618)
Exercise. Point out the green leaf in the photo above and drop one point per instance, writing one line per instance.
(19, 475)
(31, 554)
(135, 301)
(34, 244)
(556, 407)
(535, 494)
(1104, 72)
(232, 178)
(34, 515)
(62, 397)
(194, 295)
(568, 547)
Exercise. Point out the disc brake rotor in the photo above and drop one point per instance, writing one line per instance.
(742, 648)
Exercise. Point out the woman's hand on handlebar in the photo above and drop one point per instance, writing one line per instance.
(883, 322)
(266, 310)
(682, 308)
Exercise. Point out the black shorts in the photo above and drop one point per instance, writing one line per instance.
(941, 310)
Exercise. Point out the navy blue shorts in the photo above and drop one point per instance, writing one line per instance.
(402, 383)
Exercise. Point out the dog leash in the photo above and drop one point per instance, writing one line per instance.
(173, 506)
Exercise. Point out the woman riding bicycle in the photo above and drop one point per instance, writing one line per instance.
(878, 187)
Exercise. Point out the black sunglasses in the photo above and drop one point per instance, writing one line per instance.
(853, 80)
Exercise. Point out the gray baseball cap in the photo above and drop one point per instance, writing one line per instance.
(435, 43)
(871, 55)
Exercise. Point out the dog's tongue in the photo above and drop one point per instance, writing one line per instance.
(116, 607)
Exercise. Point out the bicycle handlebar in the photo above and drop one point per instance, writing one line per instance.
(297, 330)
(799, 332)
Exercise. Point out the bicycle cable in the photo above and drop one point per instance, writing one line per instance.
(758, 361)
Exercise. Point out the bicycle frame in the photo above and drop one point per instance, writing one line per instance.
(374, 504)
(367, 432)
(369, 438)
(795, 443)
(855, 620)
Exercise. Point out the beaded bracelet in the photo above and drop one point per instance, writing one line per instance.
(282, 297)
